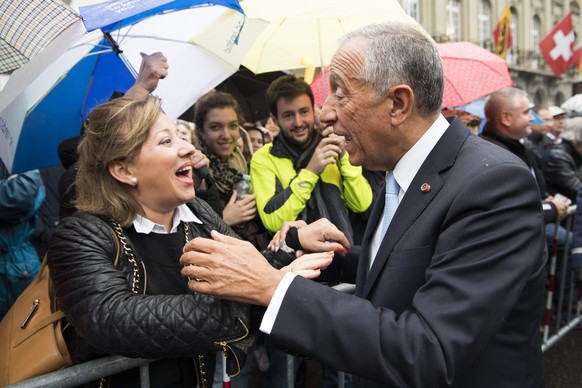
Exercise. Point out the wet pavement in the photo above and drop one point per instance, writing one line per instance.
(563, 362)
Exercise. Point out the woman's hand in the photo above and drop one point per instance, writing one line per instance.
(319, 236)
(281, 234)
(235, 212)
(323, 236)
(310, 265)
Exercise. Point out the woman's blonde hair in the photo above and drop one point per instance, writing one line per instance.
(115, 132)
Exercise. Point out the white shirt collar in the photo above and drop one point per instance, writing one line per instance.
(407, 167)
(182, 213)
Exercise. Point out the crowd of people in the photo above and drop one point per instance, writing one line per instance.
(443, 227)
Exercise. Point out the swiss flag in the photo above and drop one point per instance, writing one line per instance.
(558, 46)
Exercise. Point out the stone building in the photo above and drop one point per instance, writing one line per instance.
(531, 21)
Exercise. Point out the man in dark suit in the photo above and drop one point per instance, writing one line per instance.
(452, 294)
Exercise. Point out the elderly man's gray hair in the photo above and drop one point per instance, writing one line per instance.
(400, 53)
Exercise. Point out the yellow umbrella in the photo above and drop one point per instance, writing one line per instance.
(304, 33)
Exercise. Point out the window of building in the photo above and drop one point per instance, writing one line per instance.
(535, 38)
(484, 18)
(454, 20)
(411, 9)
(538, 98)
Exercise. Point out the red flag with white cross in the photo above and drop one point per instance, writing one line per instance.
(577, 59)
(558, 46)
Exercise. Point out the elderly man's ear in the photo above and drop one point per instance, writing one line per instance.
(402, 99)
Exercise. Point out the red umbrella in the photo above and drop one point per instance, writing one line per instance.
(471, 72)
(317, 87)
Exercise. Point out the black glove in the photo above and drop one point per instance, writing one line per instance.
(284, 256)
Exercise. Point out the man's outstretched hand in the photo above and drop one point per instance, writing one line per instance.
(233, 269)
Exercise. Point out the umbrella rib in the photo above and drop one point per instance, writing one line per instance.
(88, 89)
(157, 38)
(457, 93)
(119, 37)
(92, 53)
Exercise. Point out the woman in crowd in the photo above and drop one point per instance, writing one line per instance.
(115, 262)
(133, 183)
(256, 135)
(21, 196)
(244, 144)
(185, 130)
(217, 119)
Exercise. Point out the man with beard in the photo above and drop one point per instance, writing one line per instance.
(304, 174)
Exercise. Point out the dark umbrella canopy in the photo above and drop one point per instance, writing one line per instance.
(249, 90)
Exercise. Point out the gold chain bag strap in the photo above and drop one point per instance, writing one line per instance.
(130, 256)
(31, 332)
(200, 362)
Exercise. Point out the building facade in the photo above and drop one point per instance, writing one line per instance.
(531, 21)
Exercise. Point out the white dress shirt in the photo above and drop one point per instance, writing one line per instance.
(182, 213)
(406, 169)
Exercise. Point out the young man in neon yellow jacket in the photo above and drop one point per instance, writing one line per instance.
(305, 173)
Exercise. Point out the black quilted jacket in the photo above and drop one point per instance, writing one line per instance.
(109, 319)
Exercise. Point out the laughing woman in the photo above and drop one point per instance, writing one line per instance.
(135, 186)
(115, 262)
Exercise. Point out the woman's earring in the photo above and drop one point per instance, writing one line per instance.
(133, 180)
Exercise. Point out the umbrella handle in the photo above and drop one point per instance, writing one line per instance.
(113, 43)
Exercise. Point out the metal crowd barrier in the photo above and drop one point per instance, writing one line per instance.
(89, 371)
(556, 324)
(565, 315)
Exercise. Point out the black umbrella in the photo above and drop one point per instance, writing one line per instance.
(249, 90)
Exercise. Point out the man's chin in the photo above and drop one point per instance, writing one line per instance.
(298, 142)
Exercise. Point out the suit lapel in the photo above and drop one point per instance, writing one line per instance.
(364, 261)
(412, 205)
